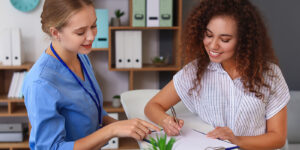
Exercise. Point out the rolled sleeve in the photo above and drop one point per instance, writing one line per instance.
(48, 125)
(279, 96)
(183, 82)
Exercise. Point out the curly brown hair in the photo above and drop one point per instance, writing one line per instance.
(254, 50)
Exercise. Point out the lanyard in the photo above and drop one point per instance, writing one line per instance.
(90, 81)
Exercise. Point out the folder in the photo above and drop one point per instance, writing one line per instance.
(136, 49)
(165, 13)
(5, 47)
(128, 48)
(114, 142)
(101, 39)
(152, 13)
(16, 47)
(119, 43)
(138, 13)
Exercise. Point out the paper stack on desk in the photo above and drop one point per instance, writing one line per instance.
(192, 139)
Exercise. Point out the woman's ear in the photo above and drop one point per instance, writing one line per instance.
(54, 33)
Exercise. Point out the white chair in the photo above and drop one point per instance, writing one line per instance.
(135, 101)
(293, 134)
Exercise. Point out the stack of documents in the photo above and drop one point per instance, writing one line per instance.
(194, 140)
(15, 89)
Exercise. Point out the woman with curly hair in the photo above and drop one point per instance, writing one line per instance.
(231, 80)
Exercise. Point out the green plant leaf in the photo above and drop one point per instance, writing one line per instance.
(154, 143)
(170, 144)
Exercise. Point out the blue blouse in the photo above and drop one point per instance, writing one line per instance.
(59, 109)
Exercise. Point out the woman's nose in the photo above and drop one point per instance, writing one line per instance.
(90, 35)
(213, 45)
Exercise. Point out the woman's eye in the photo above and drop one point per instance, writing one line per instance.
(80, 34)
(225, 41)
(208, 35)
(94, 26)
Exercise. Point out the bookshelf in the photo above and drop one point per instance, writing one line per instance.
(176, 30)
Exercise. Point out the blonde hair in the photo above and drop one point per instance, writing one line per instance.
(57, 12)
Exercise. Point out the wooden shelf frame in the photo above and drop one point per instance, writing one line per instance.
(177, 29)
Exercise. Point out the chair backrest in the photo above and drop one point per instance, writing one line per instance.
(293, 117)
(134, 102)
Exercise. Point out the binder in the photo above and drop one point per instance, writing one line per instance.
(101, 39)
(5, 47)
(137, 49)
(128, 48)
(114, 142)
(119, 42)
(12, 85)
(165, 13)
(16, 47)
(152, 13)
(138, 13)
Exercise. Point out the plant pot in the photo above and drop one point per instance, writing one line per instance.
(116, 103)
(115, 22)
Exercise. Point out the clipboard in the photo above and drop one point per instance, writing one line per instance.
(192, 139)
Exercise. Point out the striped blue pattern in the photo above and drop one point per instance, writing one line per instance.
(222, 101)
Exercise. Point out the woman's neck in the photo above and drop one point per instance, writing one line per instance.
(231, 68)
(70, 58)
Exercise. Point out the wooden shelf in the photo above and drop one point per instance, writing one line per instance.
(143, 28)
(6, 99)
(108, 108)
(100, 49)
(24, 144)
(25, 66)
(148, 67)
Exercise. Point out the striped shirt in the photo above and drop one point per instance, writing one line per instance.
(222, 101)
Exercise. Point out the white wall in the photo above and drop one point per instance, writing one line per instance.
(34, 42)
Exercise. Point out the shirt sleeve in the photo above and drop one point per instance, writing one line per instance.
(279, 96)
(183, 82)
(48, 125)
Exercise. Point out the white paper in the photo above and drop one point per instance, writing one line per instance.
(191, 139)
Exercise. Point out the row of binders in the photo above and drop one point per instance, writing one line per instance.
(152, 13)
(15, 89)
(128, 49)
(10, 47)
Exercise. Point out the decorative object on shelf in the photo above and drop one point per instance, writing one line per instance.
(116, 21)
(25, 5)
(159, 61)
(116, 101)
(160, 143)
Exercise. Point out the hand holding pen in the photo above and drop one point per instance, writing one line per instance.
(171, 124)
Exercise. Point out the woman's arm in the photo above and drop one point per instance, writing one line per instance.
(274, 137)
(156, 109)
(108, 120)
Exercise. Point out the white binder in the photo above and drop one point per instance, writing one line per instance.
(152, 13)
(128, 48)
(16, 47)
(137, 49)
(5, 47)
(119, 41)
(114, 142)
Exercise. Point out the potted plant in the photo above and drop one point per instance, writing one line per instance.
(160, 143)
(116, 101)
(116, 21)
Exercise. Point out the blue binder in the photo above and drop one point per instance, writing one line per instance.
(101, 39)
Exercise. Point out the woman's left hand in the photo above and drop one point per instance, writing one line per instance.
(223, 133)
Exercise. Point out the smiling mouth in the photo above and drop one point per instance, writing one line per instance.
(87, 46)
(214, 54)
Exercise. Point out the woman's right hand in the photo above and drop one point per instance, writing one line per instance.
(135, 128)
(171, 127)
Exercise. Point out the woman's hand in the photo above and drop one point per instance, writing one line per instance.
(223, 133)
(170, 126)
(135, 128)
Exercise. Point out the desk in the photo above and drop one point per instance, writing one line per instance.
(190, 121)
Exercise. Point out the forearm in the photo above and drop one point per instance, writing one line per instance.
(155, 112)
(266, 141)
(95, 140)
(108, 120)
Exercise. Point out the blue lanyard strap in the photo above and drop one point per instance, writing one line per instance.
(89, 79)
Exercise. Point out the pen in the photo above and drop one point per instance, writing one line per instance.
(230, 148)
(175, 118)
